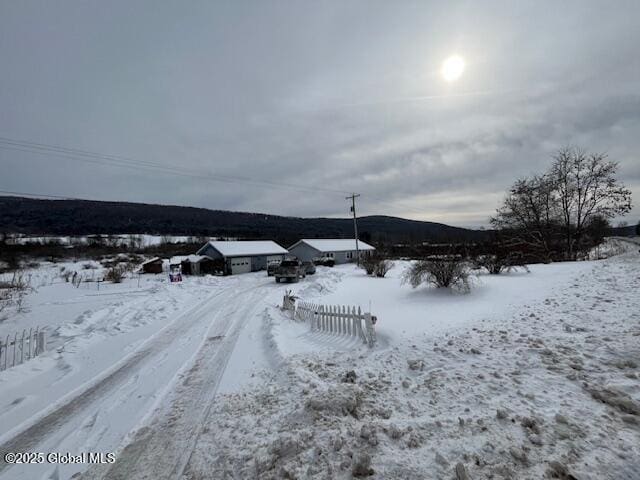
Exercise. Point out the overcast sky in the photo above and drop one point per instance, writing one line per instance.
(341, 96)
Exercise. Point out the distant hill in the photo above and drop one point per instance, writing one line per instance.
(82, 217)
(628, 231)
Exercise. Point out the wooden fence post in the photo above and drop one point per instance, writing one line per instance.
(345, 319)
(22, 348)
(29, 345)
(6, 352)
(371, 340)
(332, 319)
(40, 341)
(359, 317)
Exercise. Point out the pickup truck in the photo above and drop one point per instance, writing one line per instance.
(271, 268)
(325, 261)
(290, 270)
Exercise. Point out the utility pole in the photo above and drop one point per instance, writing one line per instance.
(355, 224)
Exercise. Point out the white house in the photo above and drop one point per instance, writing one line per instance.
(241, 256)
(342, 250)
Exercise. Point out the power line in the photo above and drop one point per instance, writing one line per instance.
(42, 195)
(127, 162)
(87, 156)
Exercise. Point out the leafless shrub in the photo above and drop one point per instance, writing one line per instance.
(369, 264)
(376, 265)
(496, 264)
(382, 268)
(443, 271)
(5, 300)
(13, 291)
(88, 266)
(19, 281)
(115, 274)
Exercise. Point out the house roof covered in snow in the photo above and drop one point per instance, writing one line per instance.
(152, 260)
(334, 244)
(247, 248)
(184, 258)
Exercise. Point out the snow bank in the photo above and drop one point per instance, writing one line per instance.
(539, 379)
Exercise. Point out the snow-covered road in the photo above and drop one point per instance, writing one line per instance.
(163, 447)
(190, 352)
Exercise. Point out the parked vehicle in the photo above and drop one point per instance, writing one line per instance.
(324, 261)
(309, 268)
(290, 270)
(271, 268)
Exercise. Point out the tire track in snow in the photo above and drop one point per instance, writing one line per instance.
(163, 448)
(29, 438)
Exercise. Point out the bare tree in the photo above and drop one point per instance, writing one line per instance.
(586, 187)
(530, 214)
(559, 207)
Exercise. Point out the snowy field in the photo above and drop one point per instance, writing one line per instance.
(529, 375)
(143, 240)
(140, 240)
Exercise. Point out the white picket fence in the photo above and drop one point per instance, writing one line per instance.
(335, 319)
(20, 348)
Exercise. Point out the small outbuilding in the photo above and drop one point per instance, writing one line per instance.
(242, 256)
(152, 266)
(196, 264)
(341, 250)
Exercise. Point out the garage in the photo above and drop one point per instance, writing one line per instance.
(240, 265)
(243, 256)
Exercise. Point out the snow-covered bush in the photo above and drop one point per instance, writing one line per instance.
(383, 267)
(496, 264)
(115, 274)
(375, 265)
(443, 271)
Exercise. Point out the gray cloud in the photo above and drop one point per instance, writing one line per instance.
(343, 96)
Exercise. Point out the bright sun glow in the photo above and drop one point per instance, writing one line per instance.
(452, 68)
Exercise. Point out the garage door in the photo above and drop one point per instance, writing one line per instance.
(240, 265)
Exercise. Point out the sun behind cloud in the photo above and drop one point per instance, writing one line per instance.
(453, 68)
